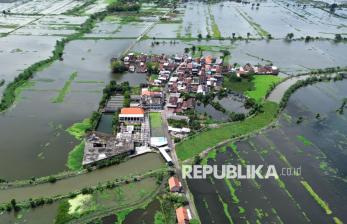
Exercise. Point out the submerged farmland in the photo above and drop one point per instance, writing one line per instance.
(310, 133)
(317, 146)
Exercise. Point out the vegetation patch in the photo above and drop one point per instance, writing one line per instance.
(211, 137)
(65, 89)
(122, 215)
(304, 140)
(75, 157)
(238, 84)
(155, 120)
(211, 155)
(316, 197)
(262, 83)
(225, 209)
(232, 191)
(78, 130)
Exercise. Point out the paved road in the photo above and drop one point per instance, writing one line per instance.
(178, 167)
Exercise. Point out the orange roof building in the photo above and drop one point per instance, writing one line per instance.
(182, 215)
(132, 110)
(132, 115)
(175, 185)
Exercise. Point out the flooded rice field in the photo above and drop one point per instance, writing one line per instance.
(103, 201)
(317, 54)
(40, 6)
(21, 52)
(278, 18)
(40, 123)
(317, 146)
(149, 161)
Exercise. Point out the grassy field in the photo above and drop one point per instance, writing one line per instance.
(261, 85)
(239, 86)
(155, 119)
(196, 144)
(74, 161)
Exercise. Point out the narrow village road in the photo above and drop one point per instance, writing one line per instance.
(177, 167)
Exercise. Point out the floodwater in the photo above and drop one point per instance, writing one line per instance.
(150, 161)
(231, 103)
(286, 55)
(144, 216)
(105, 123)
(108, 200)
(321, 156)
(21, 52)
(35, 138)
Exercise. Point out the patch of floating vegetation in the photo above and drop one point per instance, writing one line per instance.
(65, 90)
(316, 197)
(304, 140)
(214, 26)
(232, 191)
(225, 209)
(89, 81)
(78, 130)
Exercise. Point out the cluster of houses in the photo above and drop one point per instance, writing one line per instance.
(139, 63)
(257, 70)
(183, 214)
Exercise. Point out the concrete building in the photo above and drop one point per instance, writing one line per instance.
(100, 146)
(132, 115)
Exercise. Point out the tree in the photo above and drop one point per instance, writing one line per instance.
(248, 34)
(199, 36)
(118, 66)
(338, 37)
(233, 34)
(308, 38)
(333, 7)
(52, 179)
(317, 115)
(289, 36)
(208, 36)
(14, 205)
(152, 67)
(269, 37)
(186, 50)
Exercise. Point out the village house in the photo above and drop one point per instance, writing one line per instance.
(183, 215)
(175, 185)
(152, 100)
(257, 70)
(132, 115)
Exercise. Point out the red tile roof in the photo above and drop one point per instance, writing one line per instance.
(174, 182)
(182, 215)
(132, 110)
